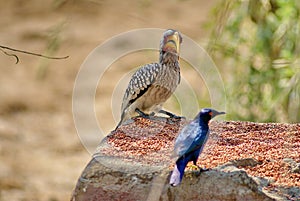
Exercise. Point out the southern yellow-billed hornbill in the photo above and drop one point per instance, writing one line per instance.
(152, 84)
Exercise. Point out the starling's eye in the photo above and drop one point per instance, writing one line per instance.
(210, 113)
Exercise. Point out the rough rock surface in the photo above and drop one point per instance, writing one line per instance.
(134, 163)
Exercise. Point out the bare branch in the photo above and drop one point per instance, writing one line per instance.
(13, 55)
(26, 52)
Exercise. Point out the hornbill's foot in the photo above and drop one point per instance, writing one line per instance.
(171, 115)
(144, 115)
(152, 114)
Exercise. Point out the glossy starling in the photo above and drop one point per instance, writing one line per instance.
(190, 143)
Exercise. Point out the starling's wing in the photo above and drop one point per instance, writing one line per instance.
(185, 140)
(140, 82)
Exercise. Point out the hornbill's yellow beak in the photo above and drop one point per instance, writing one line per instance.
(172, 42)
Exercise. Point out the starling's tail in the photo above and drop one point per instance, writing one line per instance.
(178, 171)
(175, 177)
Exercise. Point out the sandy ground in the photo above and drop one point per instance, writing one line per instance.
(41, 155)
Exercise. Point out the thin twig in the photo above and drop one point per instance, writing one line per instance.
(13, 55)
(26, 52)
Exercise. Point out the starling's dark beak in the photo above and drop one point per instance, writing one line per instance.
(216, 113)
(173, 43)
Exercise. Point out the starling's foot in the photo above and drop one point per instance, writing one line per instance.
(171, 115)
(200, 169)
(196, 167)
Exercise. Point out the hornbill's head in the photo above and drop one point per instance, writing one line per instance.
(171, 41)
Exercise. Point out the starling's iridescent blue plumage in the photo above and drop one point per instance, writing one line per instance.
(190, 143)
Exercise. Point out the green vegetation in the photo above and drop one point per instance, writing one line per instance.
(256, 45)
(53, 45)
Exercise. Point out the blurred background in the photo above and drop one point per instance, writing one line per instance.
(255, 45)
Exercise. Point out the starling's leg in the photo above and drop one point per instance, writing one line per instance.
(171, 115)
(195, 167)
(199, 168)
